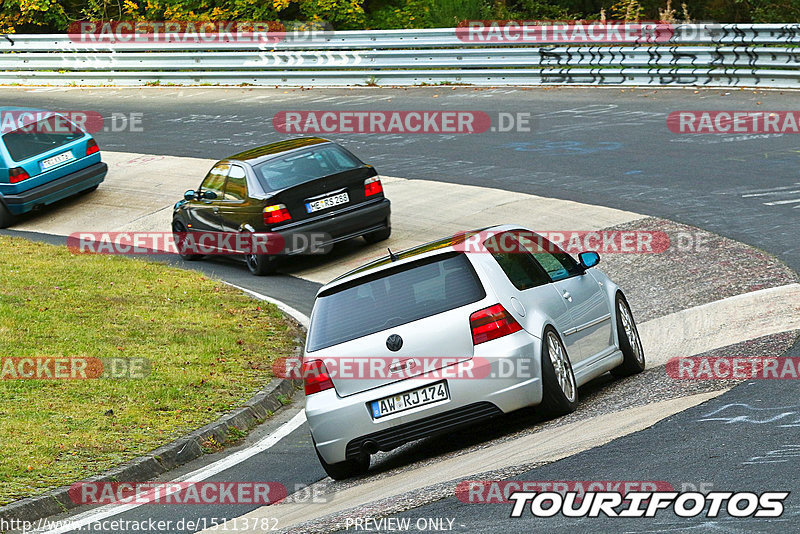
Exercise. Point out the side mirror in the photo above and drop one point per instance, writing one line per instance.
(208, 195)
(189, 195)
(589, 259)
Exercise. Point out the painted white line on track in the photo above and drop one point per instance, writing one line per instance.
(721, 323)
(779, 189)
(781, 202)
(695, 330)
(297, 315)
(476, 206)
(772, 193)
(547, 445)
(430, 211)
(690, 332)
(92, 516)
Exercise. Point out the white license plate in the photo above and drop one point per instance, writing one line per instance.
(410, 399)
(328, 202)
(57, 160)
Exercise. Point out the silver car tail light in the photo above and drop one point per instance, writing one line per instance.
(491, 323)
(315, 377)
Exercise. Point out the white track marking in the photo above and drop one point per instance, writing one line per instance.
(691, 332)
(471, 207)
(430, 209)
(772, 193)
(721, 323)
(285, 308)
(778, 189)
(779, 202)
(785, 190)
(92, 516)
(104, 512)
(547, 445)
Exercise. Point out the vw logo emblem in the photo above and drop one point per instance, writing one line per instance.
(394, 343)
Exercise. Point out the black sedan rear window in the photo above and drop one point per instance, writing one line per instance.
(393, 297)
(39, 137)
(294, 169)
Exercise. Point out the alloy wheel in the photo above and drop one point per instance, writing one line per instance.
(561, 366)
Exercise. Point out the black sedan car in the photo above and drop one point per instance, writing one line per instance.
(296, 188)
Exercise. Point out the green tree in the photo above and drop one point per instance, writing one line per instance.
(342, 14)
(22, 16)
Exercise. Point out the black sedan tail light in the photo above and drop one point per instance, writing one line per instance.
(372, 186)
(276, 214)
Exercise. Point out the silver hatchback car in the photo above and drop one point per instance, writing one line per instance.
(453, 332)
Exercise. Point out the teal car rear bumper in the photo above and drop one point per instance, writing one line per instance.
(56, 190)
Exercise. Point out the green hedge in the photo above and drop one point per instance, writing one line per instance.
(52, 16)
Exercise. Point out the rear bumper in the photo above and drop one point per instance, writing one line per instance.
(391, 438)
(56, 190)
(341, 425)
(338, 226)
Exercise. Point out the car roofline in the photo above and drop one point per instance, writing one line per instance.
(252, 163)
(381, 264)
(257, 160)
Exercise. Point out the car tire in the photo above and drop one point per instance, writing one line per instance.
(629, 341)
(347, 469)
(378, 235)
(559, 388)
(6, 217)
(179, 228)
(261, 264)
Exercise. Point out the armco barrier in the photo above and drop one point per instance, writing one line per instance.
(752, 55)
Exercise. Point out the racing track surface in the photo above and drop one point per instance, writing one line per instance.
(598, 146)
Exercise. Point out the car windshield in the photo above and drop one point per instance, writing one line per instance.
(393, 297)
(39, 137)
(294, 169)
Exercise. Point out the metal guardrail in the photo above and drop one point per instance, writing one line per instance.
(758, 55)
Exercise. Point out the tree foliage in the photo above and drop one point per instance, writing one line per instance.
(23, 16)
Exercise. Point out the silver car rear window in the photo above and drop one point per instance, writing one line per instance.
(393, 297)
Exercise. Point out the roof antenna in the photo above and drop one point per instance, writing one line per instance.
(392, 255)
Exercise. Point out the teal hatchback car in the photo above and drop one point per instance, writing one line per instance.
(44, 157)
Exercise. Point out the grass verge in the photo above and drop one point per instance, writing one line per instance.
(209, 348)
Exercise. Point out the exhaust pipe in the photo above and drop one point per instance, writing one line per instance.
(369, 447)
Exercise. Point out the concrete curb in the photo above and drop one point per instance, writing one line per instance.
(166, 457)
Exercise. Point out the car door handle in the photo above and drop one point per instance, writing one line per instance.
(567, 296)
